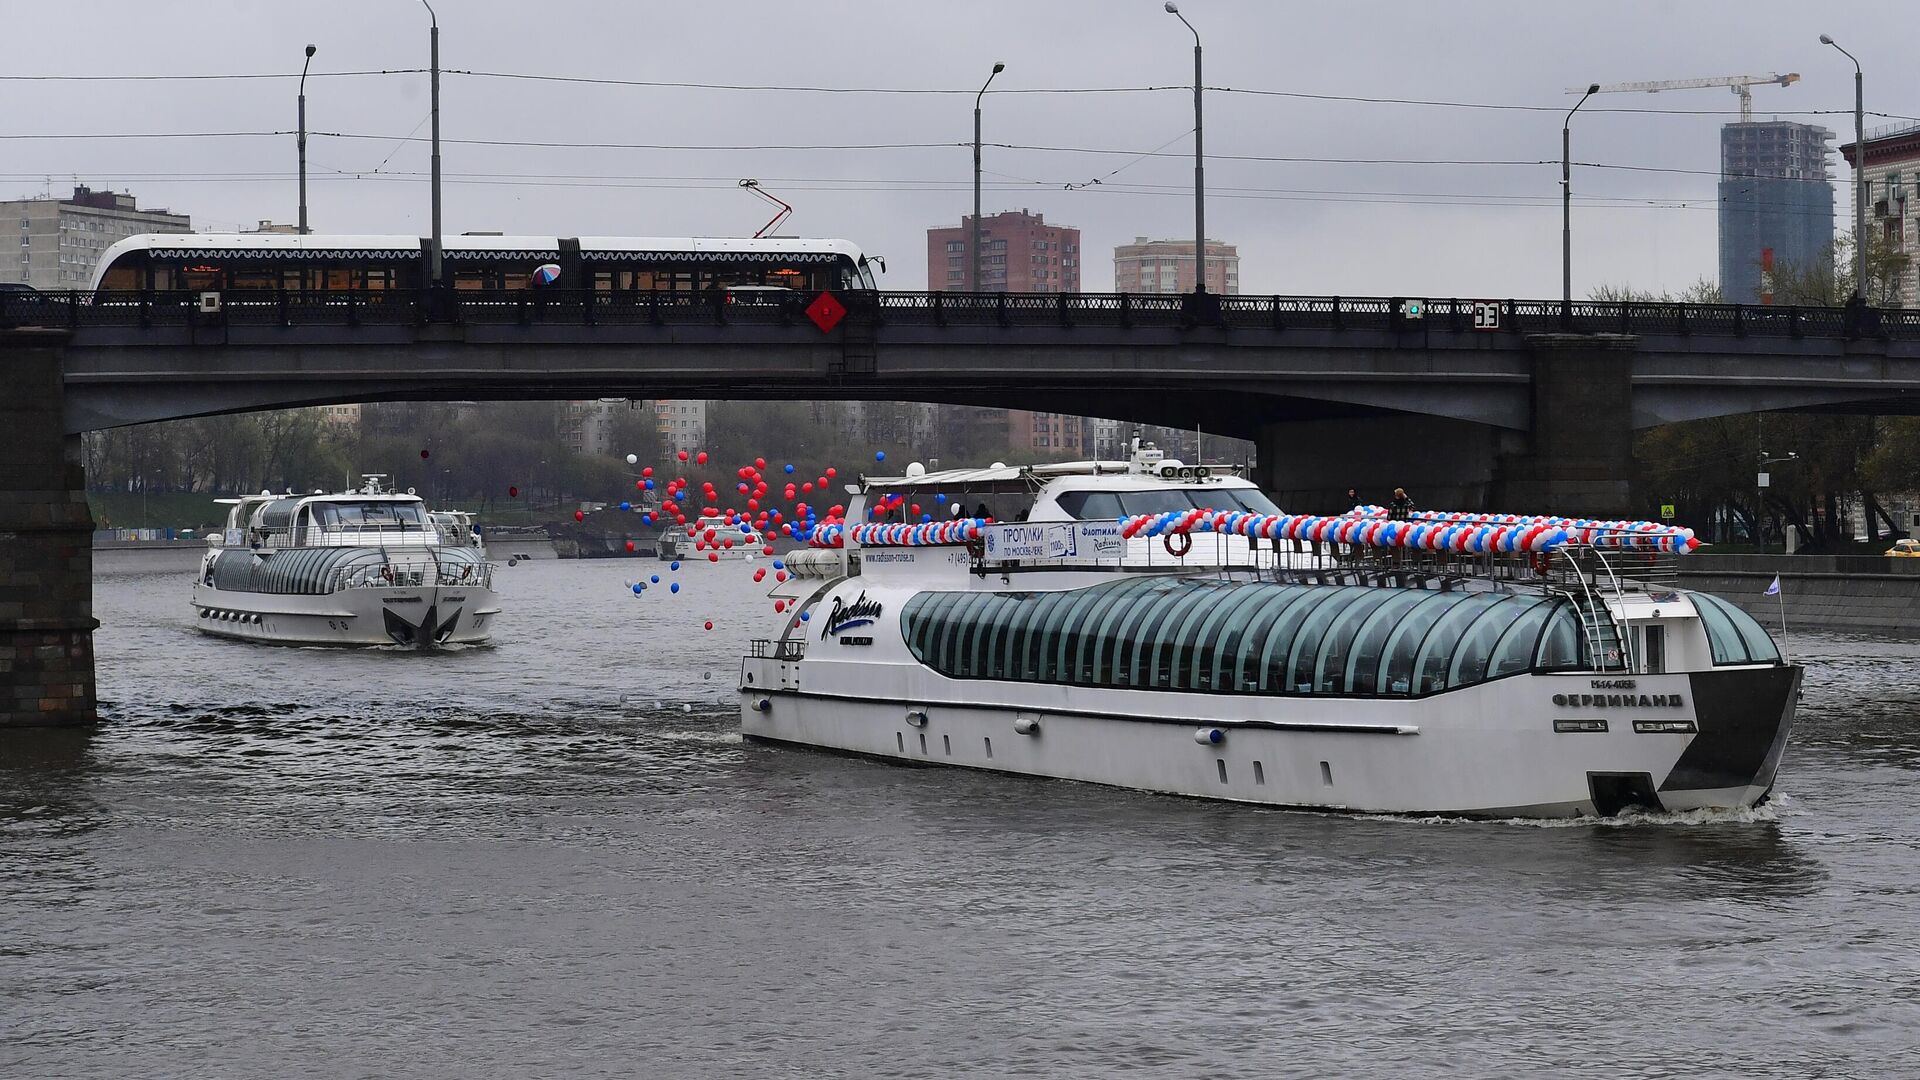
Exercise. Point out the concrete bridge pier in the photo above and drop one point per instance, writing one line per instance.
(1574, 459)
(46, 544)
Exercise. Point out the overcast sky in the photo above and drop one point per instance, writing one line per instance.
(1316, 227)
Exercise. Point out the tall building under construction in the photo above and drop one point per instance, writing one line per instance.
(1776, 203)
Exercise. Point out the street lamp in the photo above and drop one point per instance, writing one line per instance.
(1566, 200)
(975, 247)
(1761, 481)
(1860, 192)
(303, 138)
(1199, 164)
(433, 261)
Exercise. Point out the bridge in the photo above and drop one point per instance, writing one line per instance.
(1513, 403)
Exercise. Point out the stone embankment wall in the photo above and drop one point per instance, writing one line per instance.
(1833, 592)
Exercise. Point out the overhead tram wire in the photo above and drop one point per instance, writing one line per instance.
(669, 84)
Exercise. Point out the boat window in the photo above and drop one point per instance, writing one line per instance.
(1474, 655)
(1195, 662)
(1295, 675)
(1733, 634)
(1562, 645)
(1403, 646)
(1515, 650)
(1155, 501)
(1090, 505)
(1262, 667)
(373, 515)
(1252, 500)
(1160, 642)
(1436, 653)
(1370, 643)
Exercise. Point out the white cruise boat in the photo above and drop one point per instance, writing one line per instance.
(366, 567)
(1157, 627)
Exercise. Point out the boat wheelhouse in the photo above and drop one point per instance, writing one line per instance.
(365, 567)
(1535, 667)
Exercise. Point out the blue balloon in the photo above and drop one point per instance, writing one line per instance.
(806, 616)
(649, 485)
(647, 517)
(625, 506)
(638, 588)
(789, 469)
(680, 494)
(940, 498)
(879, 455)
(778, 565)
(926, 517)
(745, 528)
(674, 565)
(655, 579)
(675, 587)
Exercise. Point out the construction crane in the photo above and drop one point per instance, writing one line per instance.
(1740, 84)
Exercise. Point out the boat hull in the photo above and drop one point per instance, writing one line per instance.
(1500, 749)
(423, 617)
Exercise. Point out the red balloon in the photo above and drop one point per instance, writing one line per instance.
(779, 606)
(648, 471)
(709, 624)
(713, 556)
(629, 545)
(683, 455)
(760, 574)
(753, 504)
(830, 472)
(513, 493)
(727, 543)
(640, 485)
(579, 515)
(701, 459)
(822, 481)
(768, 550)
(808, 486)
(759, 463)
(837, 511)
(781, 576)
(916, 509)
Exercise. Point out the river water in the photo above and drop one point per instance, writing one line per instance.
(553, 856)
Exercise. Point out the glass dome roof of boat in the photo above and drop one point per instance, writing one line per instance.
(1162, 633)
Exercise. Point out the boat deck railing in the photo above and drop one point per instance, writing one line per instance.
(787, 649)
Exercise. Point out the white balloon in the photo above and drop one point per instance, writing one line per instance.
(999, 464)
(633, 459)
(916, 469)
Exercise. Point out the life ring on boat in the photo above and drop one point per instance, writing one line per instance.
(1542, 562)
(1177, 550)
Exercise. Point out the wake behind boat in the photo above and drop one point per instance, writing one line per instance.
(1142, 626)
(366, 567)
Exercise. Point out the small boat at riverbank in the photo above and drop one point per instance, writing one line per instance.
(365, 567)
(1141, 624)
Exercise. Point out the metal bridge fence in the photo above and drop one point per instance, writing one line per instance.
(79, 309)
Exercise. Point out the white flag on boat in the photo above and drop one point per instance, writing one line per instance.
(1774, 589)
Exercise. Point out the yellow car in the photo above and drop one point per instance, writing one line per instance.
(1909, 549)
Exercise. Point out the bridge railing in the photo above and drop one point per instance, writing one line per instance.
(280, 307)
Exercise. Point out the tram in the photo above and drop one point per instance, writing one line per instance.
(252, 262)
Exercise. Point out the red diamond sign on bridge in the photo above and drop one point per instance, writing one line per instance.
(826, 311)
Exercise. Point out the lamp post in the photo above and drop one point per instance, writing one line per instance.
(434, 254)
(1199, 164)
(1761, 481)
(302, 142)
(1860, 192)
(1566, 200)
(975, 246)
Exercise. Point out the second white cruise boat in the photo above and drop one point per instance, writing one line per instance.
(366, 567)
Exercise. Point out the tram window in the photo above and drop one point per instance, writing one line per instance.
(379, 279)
(198, 279)
(252, 279)
(514, 280)
(121, 278)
